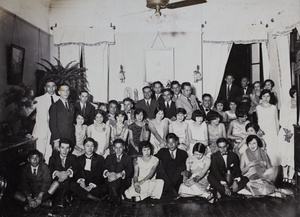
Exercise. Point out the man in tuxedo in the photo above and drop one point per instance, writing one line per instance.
(176, 88)
(89, 180)
(147, 104)
(222, 163)
(128, 104)
(157, 87)
(205, 107)
(246, 90)
(187, 100)
(35, 181)
(118, 172)
(229, 91)
(41, 129)
(61, 121)
(172, 164)
(168, 105)
(63, 167)
(85, 108)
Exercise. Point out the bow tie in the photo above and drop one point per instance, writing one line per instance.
(225, 154)
(90, 157)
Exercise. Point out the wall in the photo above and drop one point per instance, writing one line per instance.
(29, 39)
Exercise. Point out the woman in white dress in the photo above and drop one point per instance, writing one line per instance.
(100, 132)
(286, 136)
(197, 130)
(144, 182)
(267, 116)
(80, 134)
(195, 177)
(159, 128)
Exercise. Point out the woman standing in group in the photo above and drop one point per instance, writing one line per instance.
(255, 100)
(268, 121)
(159, 129)
(100, 132)
(216, 130)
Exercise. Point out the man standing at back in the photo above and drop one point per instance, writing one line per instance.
(86, 109)
(187, 100)
(61, 120)
(41, 129)
(147, 103)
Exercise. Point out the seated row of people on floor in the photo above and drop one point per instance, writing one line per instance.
(171, 171)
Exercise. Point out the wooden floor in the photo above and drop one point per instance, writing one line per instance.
(186, 207)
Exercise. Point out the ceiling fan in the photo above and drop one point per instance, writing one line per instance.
(162, 4)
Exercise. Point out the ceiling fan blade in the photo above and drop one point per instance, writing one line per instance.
(184, 3)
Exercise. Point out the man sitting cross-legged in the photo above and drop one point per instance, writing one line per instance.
(63, 167)
(34, 188)
(89, 180)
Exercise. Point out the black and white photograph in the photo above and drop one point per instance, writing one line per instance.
(149, 108)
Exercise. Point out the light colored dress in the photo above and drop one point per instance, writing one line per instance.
(160, 130)
(213, 135)
(196, 168)
(100, 138)
(150, 188)
(231, 116)
(199, 133)
(268, 122)
(80, 134)
(181, 130)
(119, 133)
(260, 175)
(287, 145)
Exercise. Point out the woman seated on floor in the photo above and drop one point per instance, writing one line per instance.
(144, 183)
(195, 177)
(256, 165)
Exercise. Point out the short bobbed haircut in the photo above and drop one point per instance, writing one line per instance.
(258, 140)
(263, 92)
(158, 109)
(292, 91)
(146, 144)
(212, 115)
(240, 113)
(138, 111)
(199, 147)
(120, 112)
(253, 125)
(180, 110)
(197, 113)
(101, 112)
(269, 80)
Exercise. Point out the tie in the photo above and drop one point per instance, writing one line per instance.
(66, 104)
(189, 100)
(172, 154)
(83, 110)
(148, 104)
(227, 92)
(34, 172)
(157, 96)
(119, 158)
(52, 100)
(63, 162)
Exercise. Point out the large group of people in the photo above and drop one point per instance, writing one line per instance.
(169, 143)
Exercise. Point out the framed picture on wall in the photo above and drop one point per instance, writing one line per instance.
(159, 65)
(15, 73)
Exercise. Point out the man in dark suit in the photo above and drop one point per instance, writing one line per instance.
(205, 107)
(226, 163)
(35, 181)
(89, 179)
(246, 90)
(172, 164)
(128, 104)
(63, 167)
(61, 118)
(118, 171)
(229, 91)
(157, 87)
(147, 104)
(85, 108)
(168, 104)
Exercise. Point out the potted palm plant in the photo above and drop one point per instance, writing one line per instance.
(72, 74)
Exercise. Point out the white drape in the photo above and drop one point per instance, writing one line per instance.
(265, 60)
(96, 62)
(214, 62)
(283, 48)
(69, 53)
